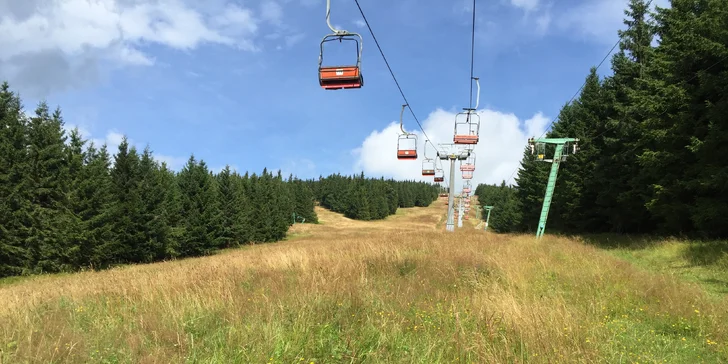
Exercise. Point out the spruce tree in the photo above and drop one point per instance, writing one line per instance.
(93, 207)
(531, 181)
(127, 244)
(76, 233)
(48, 239)
(231, 209)
(14, 199)
(152, 195)
(172, 212)
(199, 206)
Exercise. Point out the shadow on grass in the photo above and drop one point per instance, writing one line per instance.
(615, 241)
(708, 253)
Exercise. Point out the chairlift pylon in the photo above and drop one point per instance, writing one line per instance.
(340, 77)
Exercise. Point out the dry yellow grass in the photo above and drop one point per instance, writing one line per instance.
(398, 290)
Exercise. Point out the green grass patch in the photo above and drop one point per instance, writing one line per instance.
(705, 263)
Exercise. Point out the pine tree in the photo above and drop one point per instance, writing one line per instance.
(14, 202)
(693, 47)
(127, 244)
(199, 206)
(48, 240)
(531, 180)
(152, 195)
(93, 207)
(231, 209)
(304, 201)
(171, 209)
(618, 184)
(76, 234)
(573, 205)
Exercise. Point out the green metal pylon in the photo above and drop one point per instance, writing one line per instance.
(539, 146)
(303, 219)
(487, 218)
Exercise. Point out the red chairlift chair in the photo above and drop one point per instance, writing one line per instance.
(340, 77)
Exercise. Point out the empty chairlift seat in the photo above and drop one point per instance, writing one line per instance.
(439, 175)
(428, 167)
(467, 126)
(341, 77)
(407, 146)
(469, 164)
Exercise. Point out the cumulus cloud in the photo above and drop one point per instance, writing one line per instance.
(503, 138)
(67, 39)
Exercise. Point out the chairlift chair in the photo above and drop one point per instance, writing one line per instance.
(469, 164)
(428, 167)
(467, 175)
(406, 142)
(340, 77)
(407, 146)
(466, 190)
(467, 127)
(428, 164)
(539, 149)
(439, 175)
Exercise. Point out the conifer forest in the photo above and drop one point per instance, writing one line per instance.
(66, 204)
(653, 136)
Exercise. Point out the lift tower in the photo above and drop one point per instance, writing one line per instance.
(538, 147)
(452, 153)
(487, 219)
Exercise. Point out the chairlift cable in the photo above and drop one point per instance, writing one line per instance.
(570, 100)
(427, 139)
(472, 57)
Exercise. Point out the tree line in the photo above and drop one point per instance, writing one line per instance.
(653, 135)
(65, 206)
(363, 198)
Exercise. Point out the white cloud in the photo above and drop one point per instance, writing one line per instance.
(73, 36)
(271, 11)
(85, 134)
(74, 26)
(360, 23)
(112, 140)
(598, 19)
(498, 152)
(526, 5)
(542, 23)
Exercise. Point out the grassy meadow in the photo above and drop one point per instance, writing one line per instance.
(399, 290)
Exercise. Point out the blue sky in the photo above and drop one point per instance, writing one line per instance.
(235, 82)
